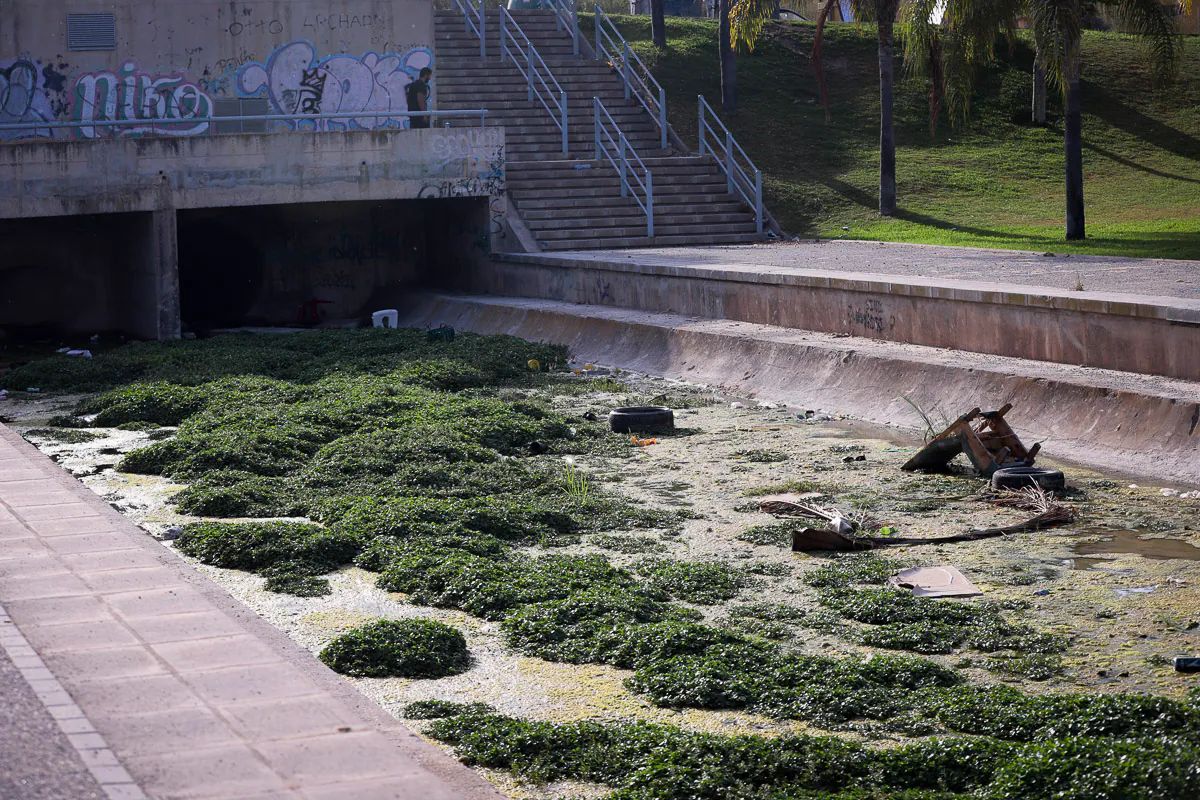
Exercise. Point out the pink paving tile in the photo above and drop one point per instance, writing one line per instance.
(115, 583)
(79, 637)
(210, 773)
(336, 757)
(250, 683)
(166, 732)
(282, 795)
(88, 542)
(76, 509)
(57, 610)
(72, 527)
(18, 473)
(30, 587)
(32, 499)
(157, 602)
(22, 548)
(29, 566)
(290, 718)
(182, 627)
(224, 651)
(12, 529)
(122, 697)
(110, 559)
(104, 665)
(418, 786)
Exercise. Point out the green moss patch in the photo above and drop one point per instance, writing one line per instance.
(406, 648)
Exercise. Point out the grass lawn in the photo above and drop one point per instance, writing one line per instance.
(994, 181)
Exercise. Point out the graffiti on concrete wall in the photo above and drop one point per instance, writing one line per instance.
(297, 82)
(24, 99)
(176, 106)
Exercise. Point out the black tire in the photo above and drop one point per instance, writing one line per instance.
(1051, 480)
(642, 419)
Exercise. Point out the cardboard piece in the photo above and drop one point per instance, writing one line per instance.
(935, 582)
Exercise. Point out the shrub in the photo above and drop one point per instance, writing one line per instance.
(705, 583)
(440, 709)
(256, 546)
(406, 648)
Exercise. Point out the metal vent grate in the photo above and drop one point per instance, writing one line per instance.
(245, 107)
(91, 32)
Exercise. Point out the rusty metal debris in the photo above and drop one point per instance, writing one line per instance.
(983, 436)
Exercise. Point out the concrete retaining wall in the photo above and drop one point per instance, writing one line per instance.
(1152, 335)
(57, 178)
(1138, 424)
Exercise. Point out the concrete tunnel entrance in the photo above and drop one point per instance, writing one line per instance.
(333, 262)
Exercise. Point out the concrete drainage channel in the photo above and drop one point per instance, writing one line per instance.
(1091, 416)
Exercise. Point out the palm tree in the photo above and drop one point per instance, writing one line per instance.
(969, 30)
(658, 23)
(725, 43)
(748, 18)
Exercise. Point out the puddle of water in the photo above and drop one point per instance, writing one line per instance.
(1130, 542)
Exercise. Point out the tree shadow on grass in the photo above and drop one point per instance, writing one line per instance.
(866, 199)
(1126, 162)
(1136, 124)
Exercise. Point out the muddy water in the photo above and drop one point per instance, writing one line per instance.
(1131, 542)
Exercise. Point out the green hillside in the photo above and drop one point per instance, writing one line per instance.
(995, 181)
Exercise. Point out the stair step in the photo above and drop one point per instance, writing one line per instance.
(661, 209)
(639, 229)
(671, 221)
(540, 203)
(691, 240)
(547, 190)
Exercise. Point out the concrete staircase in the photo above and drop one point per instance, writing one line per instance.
(571, 202)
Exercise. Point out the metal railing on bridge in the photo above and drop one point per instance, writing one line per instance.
(542, 85)
(730, 156)
(617, 151)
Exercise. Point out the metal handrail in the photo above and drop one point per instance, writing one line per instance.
(538, 83)
(618, 155)
(153, 124)
(566, 16)
(726, 151)
(612, 47)
(478, 25)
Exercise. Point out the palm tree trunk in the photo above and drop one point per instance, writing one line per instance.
(818, 63)
(1073, 143)
(1039, 91)
(728, 58)
(658, 23)
(887, 128)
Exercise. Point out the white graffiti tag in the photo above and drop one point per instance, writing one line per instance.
(296, 82)
(23, 100)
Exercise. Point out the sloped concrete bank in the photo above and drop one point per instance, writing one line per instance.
(1134, 333)
(1144, 425)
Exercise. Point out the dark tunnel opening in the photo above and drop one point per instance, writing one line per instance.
(220, 274)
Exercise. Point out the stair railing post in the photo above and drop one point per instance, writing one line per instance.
(662, 115)
(482, 29)
(650, 204)
(529, 69)
(624, 181)
(599, 50)
(596, 124)
(729, 160)
(758, 207)
(625, 70)
(701, 115)
(575, 26)
(562, 96)
(503, 38)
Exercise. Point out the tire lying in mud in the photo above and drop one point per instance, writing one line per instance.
(642, 419)
(1050, 480)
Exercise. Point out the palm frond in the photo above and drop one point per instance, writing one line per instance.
(1056, 30)
(1154, 23)
(746, 20)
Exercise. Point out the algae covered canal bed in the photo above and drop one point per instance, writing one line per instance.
(578, 615)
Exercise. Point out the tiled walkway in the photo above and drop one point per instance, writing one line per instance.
(166, 686)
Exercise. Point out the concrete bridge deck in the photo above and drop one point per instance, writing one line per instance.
(126, 674)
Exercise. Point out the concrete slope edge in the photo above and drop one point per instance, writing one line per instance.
(432, 773)
(1138, 424)
(1173, 309)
